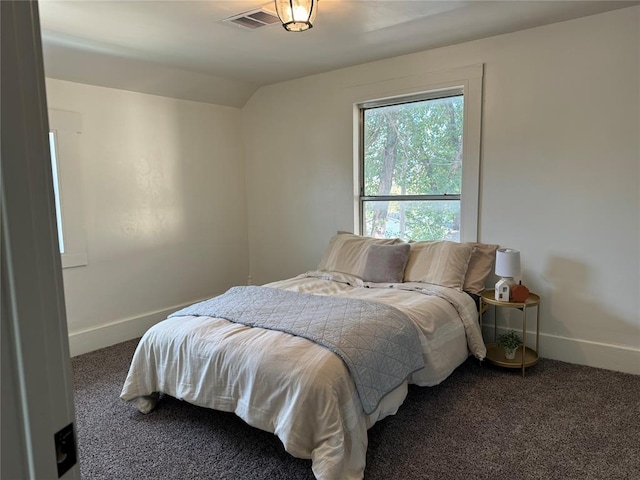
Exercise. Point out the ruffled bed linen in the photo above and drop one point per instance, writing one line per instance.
(290, 386)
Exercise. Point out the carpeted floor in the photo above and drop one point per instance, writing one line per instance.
(562, 421)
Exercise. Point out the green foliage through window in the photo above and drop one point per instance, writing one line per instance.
(413, 149)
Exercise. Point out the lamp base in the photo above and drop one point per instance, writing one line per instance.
(503, 289)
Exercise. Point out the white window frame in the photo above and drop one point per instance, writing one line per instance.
(469, 81)
(66, 127)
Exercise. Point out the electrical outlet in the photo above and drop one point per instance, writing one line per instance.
(66, 455)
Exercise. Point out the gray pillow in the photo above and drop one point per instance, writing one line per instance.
(385, 263)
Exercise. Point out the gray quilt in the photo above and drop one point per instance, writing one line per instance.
(378, 343)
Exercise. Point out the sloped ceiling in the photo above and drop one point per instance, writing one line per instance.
(183, 49)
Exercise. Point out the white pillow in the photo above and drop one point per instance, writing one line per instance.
(441, 263)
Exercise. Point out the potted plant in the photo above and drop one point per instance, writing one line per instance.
(510, 341)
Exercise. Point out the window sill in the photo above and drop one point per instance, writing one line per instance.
(71, 260)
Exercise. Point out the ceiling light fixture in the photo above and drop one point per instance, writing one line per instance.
(297, 15)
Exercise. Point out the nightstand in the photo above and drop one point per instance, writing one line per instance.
(525, 356)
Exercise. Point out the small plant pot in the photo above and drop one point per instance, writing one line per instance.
(510, 341)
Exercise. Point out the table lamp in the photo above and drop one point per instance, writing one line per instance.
(507, 267)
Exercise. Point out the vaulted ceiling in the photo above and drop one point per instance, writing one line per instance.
(184, 49)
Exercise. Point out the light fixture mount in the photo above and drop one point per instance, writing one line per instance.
(297, 15)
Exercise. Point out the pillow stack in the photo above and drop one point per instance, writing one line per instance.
(347, 253)
(462, 266)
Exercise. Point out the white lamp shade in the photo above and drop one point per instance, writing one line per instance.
(297, 15)
(508, 262)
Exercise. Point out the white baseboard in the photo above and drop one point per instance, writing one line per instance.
(571, 350)
(102, 336)
(582, 352)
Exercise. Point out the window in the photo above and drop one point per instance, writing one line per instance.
(64, 130)
(419, 157)
(412, 167)
(56, 187)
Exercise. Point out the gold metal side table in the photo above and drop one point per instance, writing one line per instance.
(525, 356)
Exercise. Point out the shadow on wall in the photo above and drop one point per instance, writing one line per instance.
(570, 309)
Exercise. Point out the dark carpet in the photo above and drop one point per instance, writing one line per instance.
(562, 421)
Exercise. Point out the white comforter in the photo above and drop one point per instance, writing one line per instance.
(290, 386)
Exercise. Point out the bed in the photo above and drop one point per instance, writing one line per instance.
(312, 395)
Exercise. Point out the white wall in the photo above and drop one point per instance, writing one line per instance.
(164, 207)
(560, 158)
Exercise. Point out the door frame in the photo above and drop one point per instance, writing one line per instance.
(37, 384)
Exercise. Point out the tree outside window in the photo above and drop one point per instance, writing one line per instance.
(412, 168)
